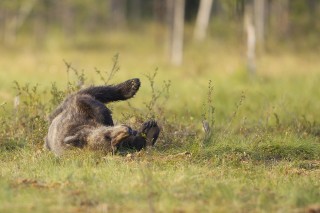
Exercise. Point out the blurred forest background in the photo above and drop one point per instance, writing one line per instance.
(199, 36)
(293, 22)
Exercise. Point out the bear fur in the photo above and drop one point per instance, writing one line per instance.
(82, 120)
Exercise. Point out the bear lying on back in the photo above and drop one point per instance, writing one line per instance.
(82, 120)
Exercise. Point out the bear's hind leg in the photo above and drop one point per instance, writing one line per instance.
(106, 94)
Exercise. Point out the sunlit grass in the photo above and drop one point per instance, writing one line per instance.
(262, 156)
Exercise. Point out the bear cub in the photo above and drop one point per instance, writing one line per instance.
(82, 120)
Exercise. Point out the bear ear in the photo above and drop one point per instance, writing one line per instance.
(74, 140)
(71, 140)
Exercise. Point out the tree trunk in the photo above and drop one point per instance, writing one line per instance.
(176, 28)
(40, 28)
(203, 18)
(259, 21)
(13, 25)
(159, 17)
(251, 39)
(2, 22)
(159, 11)
(117, 13)
(65, 14)
(135, 10)
(280, 18)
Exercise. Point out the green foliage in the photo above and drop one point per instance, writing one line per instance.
(260, 152)
(115, 68)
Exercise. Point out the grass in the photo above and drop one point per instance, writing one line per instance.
(227, 181)
(262, 153)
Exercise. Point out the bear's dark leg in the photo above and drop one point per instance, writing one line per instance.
(122, 91)
(94, 109)
(146, 136)
(103, 94)
(150, 130)
(132, 142)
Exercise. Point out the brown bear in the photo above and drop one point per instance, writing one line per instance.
(82, 120)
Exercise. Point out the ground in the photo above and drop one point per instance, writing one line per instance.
(262, 153)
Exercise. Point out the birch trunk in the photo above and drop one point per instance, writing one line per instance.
(251, 40)
(259, 22)
(176, 28)
(202, 20)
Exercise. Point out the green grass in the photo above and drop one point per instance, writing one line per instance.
(226, 179)
(263, 153)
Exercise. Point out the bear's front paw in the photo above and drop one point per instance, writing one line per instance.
(150, 130)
